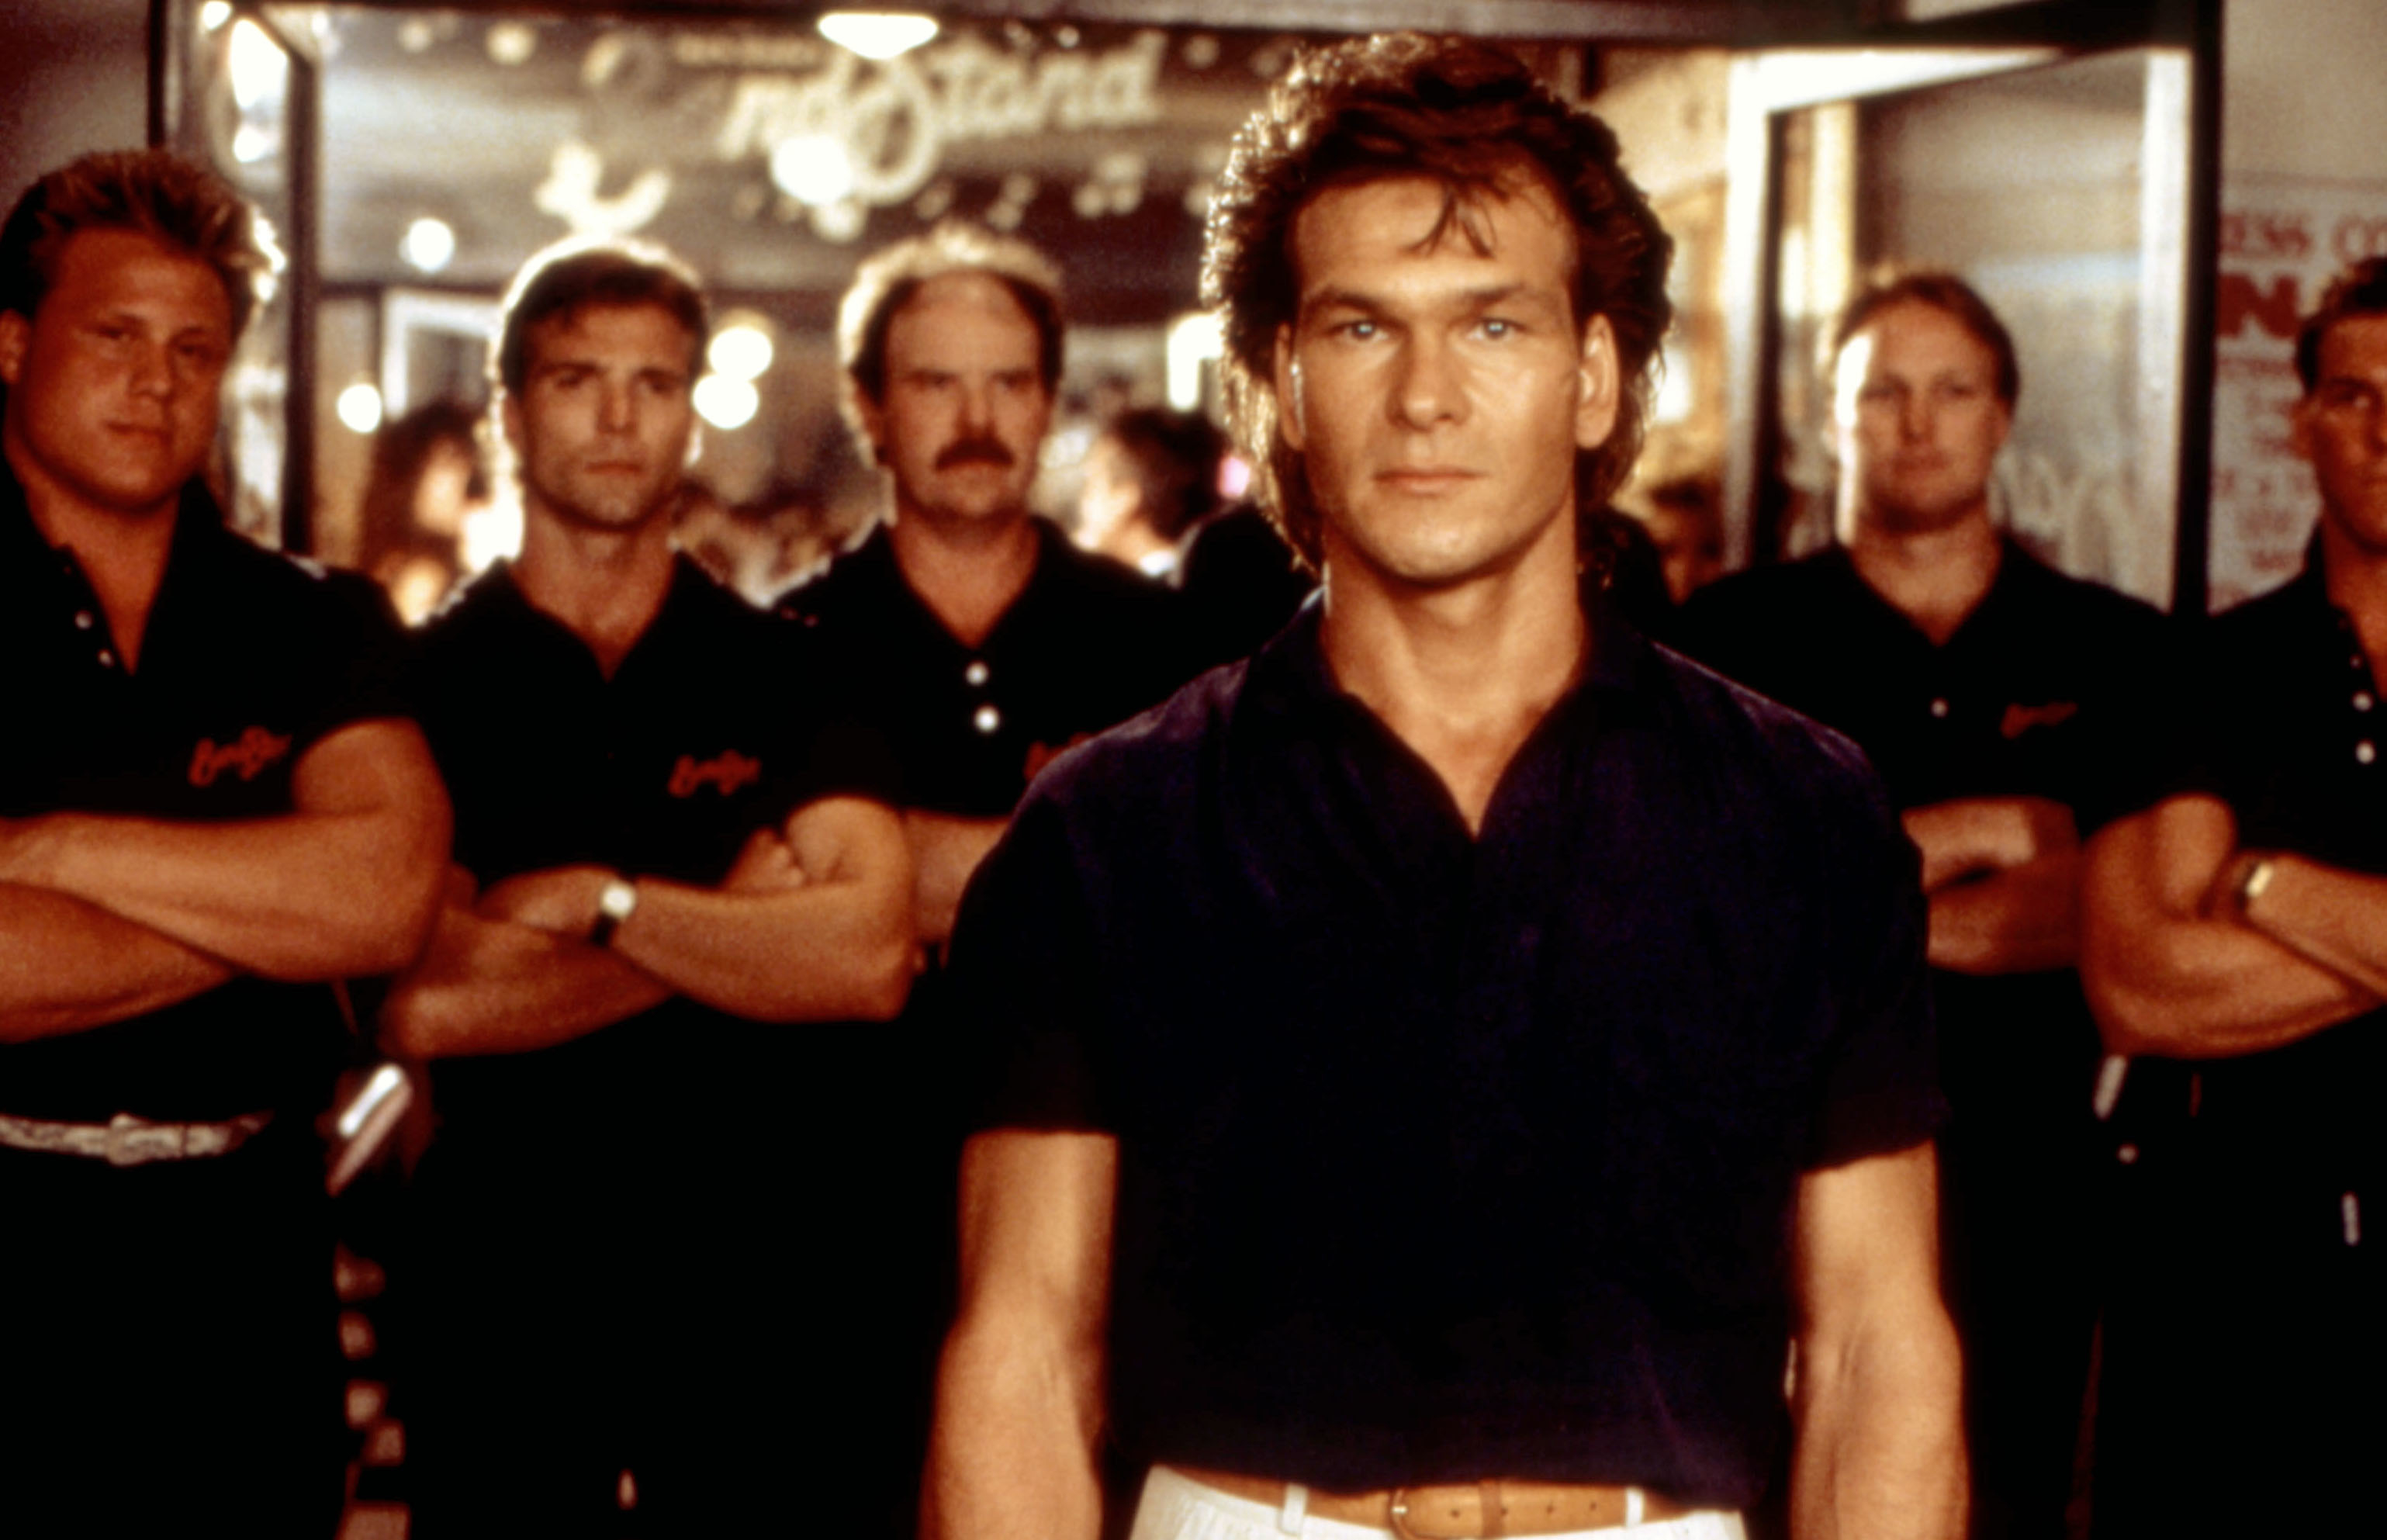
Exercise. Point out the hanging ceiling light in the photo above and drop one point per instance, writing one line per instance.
(877, 34)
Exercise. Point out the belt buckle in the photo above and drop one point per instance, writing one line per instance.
(126, 1145)
(1488, 1520)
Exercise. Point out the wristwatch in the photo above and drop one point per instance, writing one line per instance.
(616, 901)
(2253, 878)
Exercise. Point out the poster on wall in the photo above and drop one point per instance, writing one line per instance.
(2282, 239)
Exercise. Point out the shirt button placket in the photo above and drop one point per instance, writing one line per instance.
(986, 719)
(2366, 749)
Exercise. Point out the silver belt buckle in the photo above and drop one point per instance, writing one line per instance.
(135, 1141)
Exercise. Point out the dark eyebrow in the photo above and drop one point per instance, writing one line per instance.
(1356, 300)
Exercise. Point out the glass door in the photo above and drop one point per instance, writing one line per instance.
(2058, 185)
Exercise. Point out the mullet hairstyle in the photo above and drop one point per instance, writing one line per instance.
(2360, 290)
(886, 283)
(1473, 118)
(154, 193)
(580, 272)
(1943, 292)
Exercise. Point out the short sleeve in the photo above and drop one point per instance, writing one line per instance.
(846, 757)
(1881, 1074)
(362, 653)
(1023, 976)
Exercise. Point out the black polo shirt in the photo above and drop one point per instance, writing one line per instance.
(1240, 581)
(2290, 730)
(1086, 644)
(713, 725)
(249, 659)
(1445, 1157)
(2039, 692)
(2046, 689)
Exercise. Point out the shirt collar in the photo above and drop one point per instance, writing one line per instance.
(497, 588)
(198, 522)
(1291, 673)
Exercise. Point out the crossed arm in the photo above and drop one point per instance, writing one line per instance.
(945, 850)
(1880, 1447)
(2174, 964)
(813, 923)
(104, 916)
(1019, 1392)
(2003, 877)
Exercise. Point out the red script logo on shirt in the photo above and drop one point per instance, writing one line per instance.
(729, 772)
(247, 755)
(2019, 720)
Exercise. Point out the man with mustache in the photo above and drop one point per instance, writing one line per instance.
(1997, 697)
(212, 807)
(1437, 1066)
(987, 641)
(2234, 937)
(678, 904)
(978, 641)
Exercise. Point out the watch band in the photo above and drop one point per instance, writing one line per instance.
(616, 901)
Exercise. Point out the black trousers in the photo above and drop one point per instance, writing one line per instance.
(169, 1356)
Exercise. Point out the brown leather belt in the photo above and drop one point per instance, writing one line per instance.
(1483, 1510)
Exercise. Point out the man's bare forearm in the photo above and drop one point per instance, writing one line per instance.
(2167, 974)
(343, 886)
(945, 851)
(494, 986)
(1881, 1448)
(1019, 1390)
(2331, 916)
(1974, 836)
(813, 923)
(1013, 1453)
(833, 942)
(66, 967)
(2025, 919)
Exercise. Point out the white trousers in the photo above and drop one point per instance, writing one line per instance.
(1176, 1508)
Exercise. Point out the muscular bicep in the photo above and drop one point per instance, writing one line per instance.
(852, 839)
(2162, 974)
(1036, 1230)
(381, 773)
(1867, 1230)
(342, 884)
